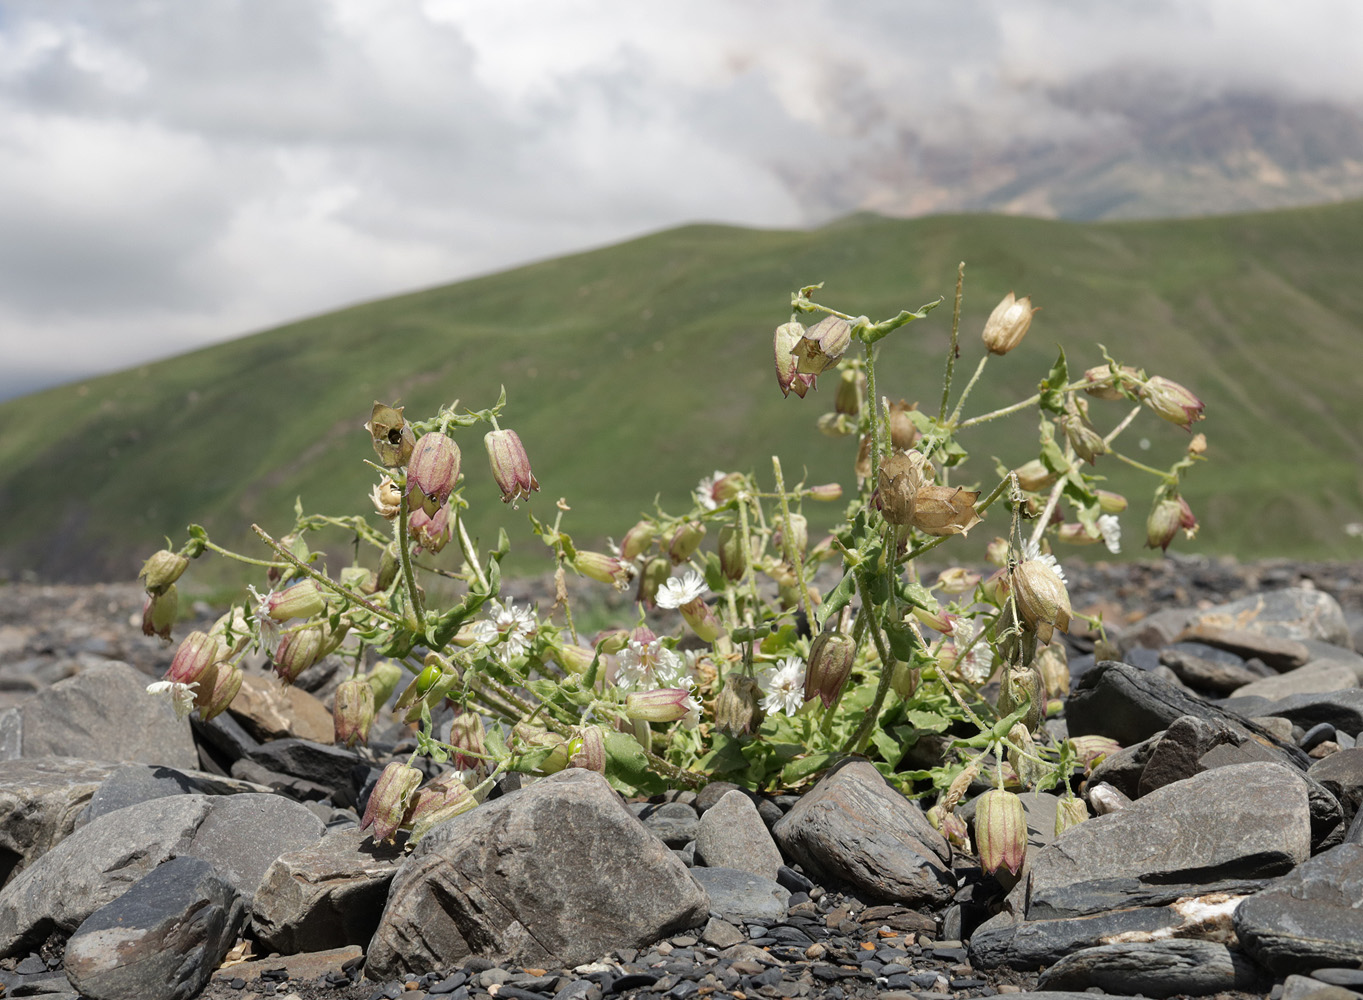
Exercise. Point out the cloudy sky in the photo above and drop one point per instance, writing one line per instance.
(175, 173)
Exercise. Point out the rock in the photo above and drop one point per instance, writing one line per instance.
(1315, 677)
(105, 713)
(269, 710)
(332, 767)
(1291, 613)
(1342, 709)
(1006, 940)
(853, 827)
(327, 895)
(732, 835)
(1158, 848)
(297, 789)
(1155, 969)
(1342, 775)
(740, 896)
(11, 733)
(1310, 918)
(240, 834)
(134, 783)
(1280, 653)
(1310, 988)
(1123, 768)
(555, 874)
(674, 823)
(1177, 754)
(311, 965)
(1155, 630)
(1327, 815)
(40, 800)
(160, 940)
(1203, 674)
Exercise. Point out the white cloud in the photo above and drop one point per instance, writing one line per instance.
(173, 173)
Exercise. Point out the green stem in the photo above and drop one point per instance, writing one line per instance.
(862, 736)
(324, 580)
(953, 350)
(471, 554)
(1126, 422)
(873, 403)
(412, 607)
(965, 394)
(1160, 473)
(746, 530)
(793, 554)
(689, 778)
(243, 559)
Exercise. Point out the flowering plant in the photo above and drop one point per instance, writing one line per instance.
(753, 655)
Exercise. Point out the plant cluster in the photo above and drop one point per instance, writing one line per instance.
(768, 678)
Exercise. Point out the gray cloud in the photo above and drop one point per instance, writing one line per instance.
(176, 173)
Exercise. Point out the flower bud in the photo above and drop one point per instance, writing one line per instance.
(573, 659)
(903, 432)
(945, 510)
(1000, 831)
(830, 664)
(432, 471)
(1042, 599)
(391, 434)
(352, 712)
(159, 612)
(387, 499)
(431, 534)
(904, 680)
(661, 705)
(304, 599)
(467, 735)
(1020, 746)
(161, 570)
(603, 568)
(1074, 533)
(195, 661)
(836, 425)
(588, 749)
(1171, 401)
(701, 617)
(850, 390)
(1033, 476)
(384, 678)
(1069, 811)
(996, 552)
(299, 650)
(444, 798)
(233, 631)
(1109, 502)
(738, 707)
(900, 478)
(1092, 749)
(389, 800)
(613, 641)
(822, 345)
(685, 540)
(826, 492)
(1053, 665)
(799, 535)
(1101, 383)
(510, 466)
(638, 540)
(957, 580)
(1166, 517)
(733, 556)
(960, 785)
(226, 684)
(788, 376)
(437, 678)
(1008, 324)
(1083, 437)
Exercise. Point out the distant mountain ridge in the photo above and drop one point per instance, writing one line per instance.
(636, 369)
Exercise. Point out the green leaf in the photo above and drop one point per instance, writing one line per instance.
(928, 722)
(838, 598)
(1051, 397)
(627, 767)
(903, 640)
(875, 331)
(889, 748)
(798, 770)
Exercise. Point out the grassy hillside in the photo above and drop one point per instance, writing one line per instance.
(634, 370)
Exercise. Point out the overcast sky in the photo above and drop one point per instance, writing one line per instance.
(173, 173)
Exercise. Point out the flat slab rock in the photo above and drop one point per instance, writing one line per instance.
(1309, 919)
(1156, 969)
(852, 827)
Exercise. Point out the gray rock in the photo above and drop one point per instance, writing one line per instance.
(1315, 677)
(1155, 969)
(240, 834)
(327, 895)
(1342, 775)
(1158, 848)
(1290, 613)
(1177, 754)
(674, 823)
(1007, 940)
(11, 733)
(740, 896)
(1342, 709)
(105, 713)
(1123, 768)
(1327, 815)
(1309, 919)
(1310, 988)
(1156, 630)
(134, 783)
(732, 835)
(330, 766)
(1204, 674)
(721, 934)
(1280, 653)
(555, 874)
(160, 940)
(40, 800)
(853, 827)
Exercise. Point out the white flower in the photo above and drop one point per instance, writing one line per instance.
(786, 687)
(1031, 550)
(974, 658)
(266, 626)
(514, 627)
(1111, 530)
(680, 590)
(181, 695)
(649, 665)
(705, 490)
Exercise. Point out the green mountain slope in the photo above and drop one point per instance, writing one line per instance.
(634, 370)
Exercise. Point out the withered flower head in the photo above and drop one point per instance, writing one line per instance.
(391, 434)
(788, 377)
(432, 471)
(510, 465)
(1008, 324)
(945, 510)
(822, 345)
(901, 477)
(1042, 599)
